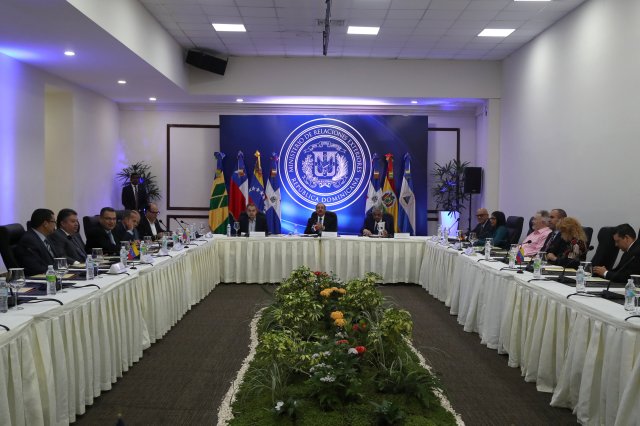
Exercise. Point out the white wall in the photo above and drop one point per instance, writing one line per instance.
(569, 118)
(81, 157)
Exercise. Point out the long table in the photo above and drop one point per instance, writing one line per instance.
(57, 359)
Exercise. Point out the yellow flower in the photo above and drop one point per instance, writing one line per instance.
(326, 292)
(341, 290)
(340, 322)
(336, 315)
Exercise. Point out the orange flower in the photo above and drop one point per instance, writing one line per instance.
(337, 315)
(341, 290)
(340, 322)
(326, 292)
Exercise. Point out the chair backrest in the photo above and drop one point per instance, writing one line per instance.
(588, 231)
(530, 230)
(607, 252)
(90, 222)
(514, 226)
(119, 215)
(9, 236)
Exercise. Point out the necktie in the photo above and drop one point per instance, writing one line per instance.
(111, 238)
(135, 195)
(48, 246)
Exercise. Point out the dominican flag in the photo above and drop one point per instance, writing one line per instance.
(374, 192)
(238, 189)
(407, 213)
(272, 198)
(219, 201)
(256, 189)
(389, 199)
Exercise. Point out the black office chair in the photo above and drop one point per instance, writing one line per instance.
(588, 231)
(607, 252)
(90, 222)
(119, 215)
(9, 236)
(514, 226)
(530, 226)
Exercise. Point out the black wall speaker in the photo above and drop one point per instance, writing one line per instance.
(206, 62)
(472, 180)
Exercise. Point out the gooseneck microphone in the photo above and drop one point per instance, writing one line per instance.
(163, 225)
(179, 224)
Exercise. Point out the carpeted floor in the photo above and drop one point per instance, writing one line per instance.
(182, 378)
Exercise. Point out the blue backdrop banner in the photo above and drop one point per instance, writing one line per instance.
(328, 159)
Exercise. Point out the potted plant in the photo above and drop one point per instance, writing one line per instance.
(144, 170)
(448, 193)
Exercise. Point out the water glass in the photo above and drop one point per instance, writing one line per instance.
(588, 270)
(97, 254)
(61, 269)
(16, 282)
(473, 238)
(236, 227)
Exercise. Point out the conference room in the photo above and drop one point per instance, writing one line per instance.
(545, 112)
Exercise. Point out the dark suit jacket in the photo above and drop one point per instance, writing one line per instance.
(261, 223)
(120, 234)
(629, 265)
(330, 222)
(370, 224)
(33, 255)
(144, 227)
(98, 238)
(129, 202)
(71, 245)
(555, 244)
(483, 231)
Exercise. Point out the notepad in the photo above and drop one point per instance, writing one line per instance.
(44, 276)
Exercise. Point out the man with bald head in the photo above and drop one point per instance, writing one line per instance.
(483, 229)
(321, 220)
(149, 225)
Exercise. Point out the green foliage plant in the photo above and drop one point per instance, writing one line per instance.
(144, 170)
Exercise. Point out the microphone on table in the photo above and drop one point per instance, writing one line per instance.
(561, 277)
(162, 223)
(178, 221)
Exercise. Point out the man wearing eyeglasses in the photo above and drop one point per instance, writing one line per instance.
(149, 224)
(35, 251)
(483, 229)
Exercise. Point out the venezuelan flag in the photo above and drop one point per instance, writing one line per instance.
(133, 251)
(520, 255)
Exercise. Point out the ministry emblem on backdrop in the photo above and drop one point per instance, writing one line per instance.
(325, 161)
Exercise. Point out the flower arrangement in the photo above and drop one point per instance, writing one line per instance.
(325, 346)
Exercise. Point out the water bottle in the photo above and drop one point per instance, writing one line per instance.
(487, 250)
(165, 245)
(124, 255)
(629, 295)
(4, 295)
(51, 281)
(89, 267)
(581, 281)
(143, 249)
(512, 258)
(229, 230)
(537, 262)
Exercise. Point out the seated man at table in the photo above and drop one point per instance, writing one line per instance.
(539, 234)
(555, 244)
(483, 229)
(67, 239)
(321, 220)
(629, 264)
(102, 236)
(252, 220)
(377, 218)
(35, 251)
(126, 229)
(149, 225)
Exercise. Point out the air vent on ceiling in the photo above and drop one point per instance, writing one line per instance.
(332, 22)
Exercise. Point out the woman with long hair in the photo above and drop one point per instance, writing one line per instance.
(572, 232)
(500, 233)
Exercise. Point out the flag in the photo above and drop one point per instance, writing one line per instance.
(374, 192)
(133, 251)
(238, 189)
(520, 255)
(256, 189)
(272, 198)
(407, 199)
(389, 199)
(219, 201)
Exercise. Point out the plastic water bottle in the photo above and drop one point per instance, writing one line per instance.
(143, 249)
(629, 295)
(124, 255)
(4, 295)
(487, 250)
(228, 230)
(89, 267)
(51, 281)
(165, 245)
(537, 262)
(581, 281)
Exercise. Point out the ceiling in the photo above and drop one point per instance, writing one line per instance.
(36, 31)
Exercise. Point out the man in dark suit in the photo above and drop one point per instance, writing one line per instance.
(149, 225)
(134, 195)
(372, 221)
(554, 243)
(35, 251)
(322, 220)
(126, 229)
(102, 236)
(253, 221)
(66, 238)
(625, 239)
(483, 229)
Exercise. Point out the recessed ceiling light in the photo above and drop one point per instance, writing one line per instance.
(153, 99)
(239, 100)
(69, 53)
(496, 32)
(414, 102)
(122, 81)
(363, 30)
(230, 27)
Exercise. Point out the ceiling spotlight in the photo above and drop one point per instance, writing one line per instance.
(363, 30)
(122, 81)
(69, 53)
(239, 100)
(230, 27)
(496, 32)
(153, 99)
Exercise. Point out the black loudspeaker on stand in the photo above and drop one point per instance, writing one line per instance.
(472, 177)
(206, 62)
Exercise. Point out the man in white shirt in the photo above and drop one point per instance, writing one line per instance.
(322, 220)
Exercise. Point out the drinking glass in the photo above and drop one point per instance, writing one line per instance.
(636, 301)
(201, 231)
(588, 270)
(236, 227)
(97, 254)
(147, 240)
(16, 281)
(61, 269)
(473, 238)
(543, 261)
